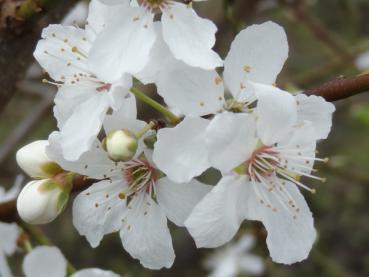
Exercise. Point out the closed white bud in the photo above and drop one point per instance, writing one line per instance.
(33, 160)
(121, 145)
(41, 201)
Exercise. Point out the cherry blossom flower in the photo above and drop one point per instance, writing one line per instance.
(234, 259)
(189, 37)
(132, 198)
(83, 97)
(46, 261)
(9, 232)
(255, 59)
(262, 156)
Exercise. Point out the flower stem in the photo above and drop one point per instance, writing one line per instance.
(145, 129)
(172, 118)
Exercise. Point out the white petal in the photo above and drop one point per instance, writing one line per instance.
(118, 121)
(94, 272)
(68, 99)
(316, 110)
(179, 152)
(216, 219)
(159, 56)
(303, 140)
(133, 30)
(145, 234)
(4, 267)
(101, 12)
(289, 240)
(9, 234)
(276, 113)
(55, 52)
(230, 139)
(45, 261)
(178, 200)
(190, 37)
(120, 97)
(93, 163)
(98, 210)
(81, 129)
(193, 91)
(257, 54)
(251, 264)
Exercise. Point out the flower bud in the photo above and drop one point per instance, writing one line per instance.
(33, 160)
(41, 201)
(121, 145)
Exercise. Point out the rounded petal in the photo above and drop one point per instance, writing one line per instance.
(291, 232)
(190, 37)
(133, 30)
(179, 152)
(80, 130)
(257, 54)
(218, 216)
(193, 91)
(99, 210)
(230, 139)
(101, 12)
(9, 233)
(316, 110)
(94, 272)
(159, 57)
(68, 98)
(178, 200)
(56, 51)
(93, 163)
(276, 113)
(45, 261)
(145, 234)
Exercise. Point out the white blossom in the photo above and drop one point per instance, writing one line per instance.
(255, 59)
(46, 261)
(234, 259)
(188, 37)
(83, 97)
(262, 156)
(132, 198)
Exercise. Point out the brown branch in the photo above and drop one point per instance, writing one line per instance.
(341, 88)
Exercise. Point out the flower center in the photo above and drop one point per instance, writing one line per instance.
(270, 167)
(153, 5)
(140, 175)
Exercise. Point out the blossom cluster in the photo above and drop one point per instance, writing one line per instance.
(229, 116)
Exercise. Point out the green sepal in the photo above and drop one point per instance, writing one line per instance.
(62, 201)
(51, 168)
(48, 185)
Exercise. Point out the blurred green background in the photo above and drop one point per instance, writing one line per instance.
(326, 38)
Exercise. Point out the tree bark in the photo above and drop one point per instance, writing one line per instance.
(21, 22)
